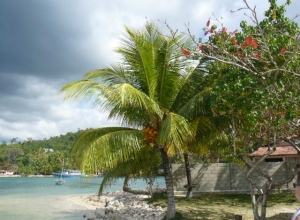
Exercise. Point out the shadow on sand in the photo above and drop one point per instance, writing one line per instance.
(281, 216)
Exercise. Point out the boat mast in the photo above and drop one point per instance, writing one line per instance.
(62, 168)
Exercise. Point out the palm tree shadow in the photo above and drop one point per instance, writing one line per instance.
(281, 216)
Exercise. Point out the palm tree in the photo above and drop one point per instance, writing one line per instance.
(153, 96)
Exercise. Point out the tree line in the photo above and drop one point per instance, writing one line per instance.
(38, 156)
(45, 156)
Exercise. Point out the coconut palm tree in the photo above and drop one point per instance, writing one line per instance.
(155, 97)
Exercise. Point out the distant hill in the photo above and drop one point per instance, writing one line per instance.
(38, 156)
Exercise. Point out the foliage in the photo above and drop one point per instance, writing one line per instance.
(254, 73)
(36, 156)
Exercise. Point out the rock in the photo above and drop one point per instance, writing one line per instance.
(125, 206)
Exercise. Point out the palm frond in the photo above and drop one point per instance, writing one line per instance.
(175, 131)
(84, 89)
(194, 89)
(196, 106)
(138, 50)
(106, 147)
(112, 176)
(131, 106)
(116, 74)
(144, 164)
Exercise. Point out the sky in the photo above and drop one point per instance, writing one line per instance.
(45, 44)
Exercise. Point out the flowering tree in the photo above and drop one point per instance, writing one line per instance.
(254, 73)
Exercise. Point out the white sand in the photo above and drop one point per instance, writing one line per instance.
(91, 202)
(46, 208)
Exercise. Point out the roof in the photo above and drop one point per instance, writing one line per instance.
(282, 149)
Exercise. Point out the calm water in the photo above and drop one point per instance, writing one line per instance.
(39, 198)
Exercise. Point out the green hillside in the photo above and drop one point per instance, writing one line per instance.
(38, 156)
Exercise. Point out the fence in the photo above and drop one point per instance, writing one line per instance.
(229, 177)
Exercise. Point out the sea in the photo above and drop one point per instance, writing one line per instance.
(39, 198)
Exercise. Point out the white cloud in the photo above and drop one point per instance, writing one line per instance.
(61, 40)
(45, 114)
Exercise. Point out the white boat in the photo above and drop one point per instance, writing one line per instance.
(61, 181)
(65, 173)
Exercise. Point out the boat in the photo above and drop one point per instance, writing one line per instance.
(61, 181)
(66, 173)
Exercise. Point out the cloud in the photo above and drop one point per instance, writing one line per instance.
(40, 112)
(46, 44)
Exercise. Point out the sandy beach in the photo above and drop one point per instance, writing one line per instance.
(56, 207)
(91, 202)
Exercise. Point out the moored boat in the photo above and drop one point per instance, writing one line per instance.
(60, 182)
(66, 173)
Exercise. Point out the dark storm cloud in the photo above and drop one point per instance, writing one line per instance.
(41, 38)
(9, 84)
(47, 43)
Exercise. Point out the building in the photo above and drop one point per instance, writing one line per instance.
(48, 150)
(6, 172)
(284, 153)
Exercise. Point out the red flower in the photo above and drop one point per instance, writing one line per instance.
(238, 52)
(185, 52)
(244, 45)
(249, 42)
(202, 47)
(257, 54)
(254, 44)
(283, 50)
(233, 41)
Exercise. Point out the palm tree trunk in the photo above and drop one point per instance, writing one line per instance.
(171, 211)
(189, 193)
(151, 186)
(125, 184)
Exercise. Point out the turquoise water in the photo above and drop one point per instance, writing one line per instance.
(39, 198)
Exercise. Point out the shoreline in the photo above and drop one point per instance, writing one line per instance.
(12, 176)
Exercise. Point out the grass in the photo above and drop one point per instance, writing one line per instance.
(226, 206)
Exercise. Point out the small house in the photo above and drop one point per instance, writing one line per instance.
(284, 152)
(6, 172)
(9, 172)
